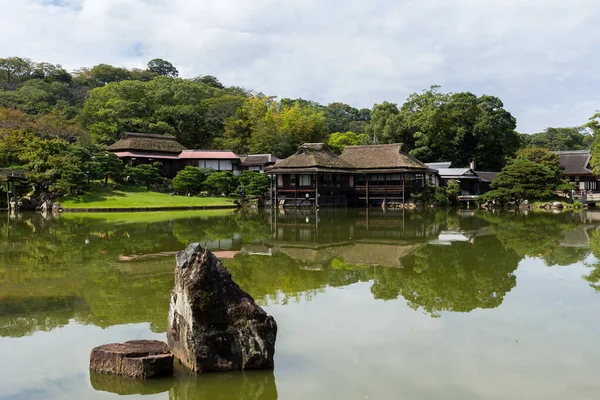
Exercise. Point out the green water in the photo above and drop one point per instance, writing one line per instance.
(370, 305)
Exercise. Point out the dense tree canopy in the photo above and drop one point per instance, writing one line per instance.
(534, 174)
(558, 139)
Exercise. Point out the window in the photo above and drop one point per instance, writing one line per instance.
(212, 164)
(304, 180)
(226, 165)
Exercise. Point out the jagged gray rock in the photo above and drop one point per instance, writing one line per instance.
(213, 324)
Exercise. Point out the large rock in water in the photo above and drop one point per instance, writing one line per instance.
(213, 324)
(134, 359)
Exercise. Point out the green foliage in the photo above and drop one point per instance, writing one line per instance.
(340, 117)
(162, 68)
(453, 191)
(223, 182)
(253, 183)
(144, 174)
(190, 179)
(534, 174)
(449, 126)
(339, 140)
(432, 195)
(184, 108)
(557, 139)
(594, 126)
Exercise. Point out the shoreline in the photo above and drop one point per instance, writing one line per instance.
(147, 209)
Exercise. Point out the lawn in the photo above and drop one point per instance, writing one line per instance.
(138, 197)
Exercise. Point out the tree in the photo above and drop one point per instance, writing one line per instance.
(254, 183)
(560, 139)
(190, 179)
(223, 182)
(387, 125)
(341, 117)
(523, 179)
(210, 81)
(100, 75)
(594, 126)
(163, 68)
(14, 68)
(455, 127)
(144, 174)
(339, 140)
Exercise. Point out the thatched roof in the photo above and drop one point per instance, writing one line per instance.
(486, 176)
(380, 157)
(312, 157)
(147, 142)
(575, 162)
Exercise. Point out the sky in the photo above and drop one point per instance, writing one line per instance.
(540, 57)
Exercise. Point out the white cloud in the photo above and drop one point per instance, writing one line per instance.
(539, 56)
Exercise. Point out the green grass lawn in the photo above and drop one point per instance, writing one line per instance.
(138, 197)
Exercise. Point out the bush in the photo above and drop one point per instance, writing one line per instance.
(253, 183)
(190, 180)
(144, 174)
(221, 183)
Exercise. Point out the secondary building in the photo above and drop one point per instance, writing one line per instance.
(361, 176)
(576, 168)
(146, 148)
(472, 182)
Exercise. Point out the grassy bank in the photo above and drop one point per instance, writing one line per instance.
(138, 197)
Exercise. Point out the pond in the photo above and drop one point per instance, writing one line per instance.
(370, 304)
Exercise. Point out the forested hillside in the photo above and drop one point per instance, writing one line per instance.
(55, 123)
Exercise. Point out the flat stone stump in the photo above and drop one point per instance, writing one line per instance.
(134, 359)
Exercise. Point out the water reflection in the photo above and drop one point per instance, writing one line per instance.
(114, 270)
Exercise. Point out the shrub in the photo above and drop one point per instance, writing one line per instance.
(221, 183)
(190, 180)
(144, 174)
(254, 183)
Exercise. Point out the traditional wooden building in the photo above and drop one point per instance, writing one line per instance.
(146, 148)
(257, 162)
(472, 183)
(361, 176)
(576, 168)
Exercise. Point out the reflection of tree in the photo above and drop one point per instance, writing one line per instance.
(536, 234)
(459, 277)
(268, 278)
(52, 271)
(594, 277)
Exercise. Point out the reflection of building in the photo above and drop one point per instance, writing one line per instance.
(362, 175)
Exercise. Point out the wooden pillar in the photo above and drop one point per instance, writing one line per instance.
(296, 186)
(317, 190)
(367, 188)
(14, 184)
(271, 190)
(8, 195)
(276, 185)
(403, 191)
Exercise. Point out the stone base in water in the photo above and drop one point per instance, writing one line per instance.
(134, 359)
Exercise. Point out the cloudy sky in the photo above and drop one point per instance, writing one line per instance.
(541, 57)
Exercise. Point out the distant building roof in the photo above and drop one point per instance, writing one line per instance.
(311, 157)
(438, 165)
(147, 142)
(380, 157)
(449, 173)
(141, 154)
(486, 176)
(575, 162)
(258, 160)
(208, 155)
